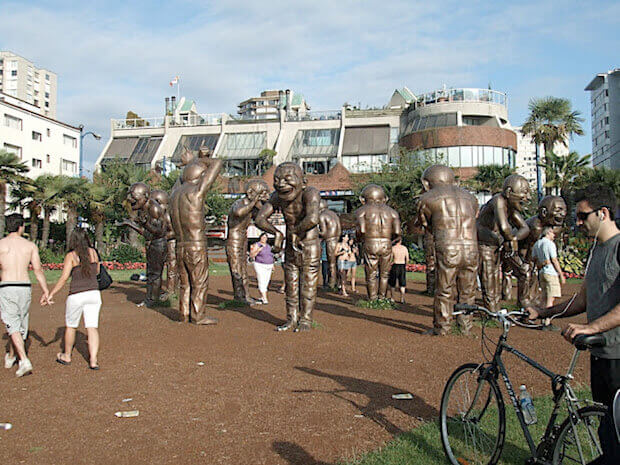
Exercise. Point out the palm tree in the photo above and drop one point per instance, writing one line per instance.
(73, 194)
(561, 172)
(552, 120)
(490, 178)
(11, 174)
(37, 196)
(605, 176)
(99, 197)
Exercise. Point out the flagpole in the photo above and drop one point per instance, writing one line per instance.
(178, 89)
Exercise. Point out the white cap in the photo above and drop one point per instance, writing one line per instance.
(522, 387)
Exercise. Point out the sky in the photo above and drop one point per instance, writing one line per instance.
(113, 56)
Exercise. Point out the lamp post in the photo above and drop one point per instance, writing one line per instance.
(82, 135)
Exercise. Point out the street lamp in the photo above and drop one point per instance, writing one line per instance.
(82, 135)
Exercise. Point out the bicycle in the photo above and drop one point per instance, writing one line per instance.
(473, 418)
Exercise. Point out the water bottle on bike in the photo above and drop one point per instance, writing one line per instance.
(527, 406)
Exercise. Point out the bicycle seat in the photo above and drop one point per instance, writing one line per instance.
(589, 341)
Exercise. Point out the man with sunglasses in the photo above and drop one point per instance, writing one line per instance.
(599, 297)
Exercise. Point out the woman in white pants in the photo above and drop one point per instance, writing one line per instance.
(263, 264)
(84, 296)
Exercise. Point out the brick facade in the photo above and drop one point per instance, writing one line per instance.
(460, 135)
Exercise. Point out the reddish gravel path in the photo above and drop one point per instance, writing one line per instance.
(261, 397)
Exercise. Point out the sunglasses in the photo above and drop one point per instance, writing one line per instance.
(584, 215)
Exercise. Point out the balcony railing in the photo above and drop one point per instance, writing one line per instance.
(462, 95)
(315, 115)
(138, 123)
(207, 119)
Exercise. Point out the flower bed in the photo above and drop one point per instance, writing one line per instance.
(108, 265)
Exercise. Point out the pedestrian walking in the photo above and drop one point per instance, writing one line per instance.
(262, 255)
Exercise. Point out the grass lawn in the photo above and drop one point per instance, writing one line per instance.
(423, 444)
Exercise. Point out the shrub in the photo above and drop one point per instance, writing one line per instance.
(416, 255)
(571, 260)
(49, 255)
(126, 253)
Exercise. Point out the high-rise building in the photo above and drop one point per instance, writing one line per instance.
(268, 105)
(605, 102)
(20, 78)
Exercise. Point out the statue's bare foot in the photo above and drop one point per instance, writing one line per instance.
(184, 318)
(303, 326)
(286, 326)
(207, 321)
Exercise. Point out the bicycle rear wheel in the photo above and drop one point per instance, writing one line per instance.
(472, 418)
(578, 441)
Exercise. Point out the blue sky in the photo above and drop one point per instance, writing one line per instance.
(113, 56)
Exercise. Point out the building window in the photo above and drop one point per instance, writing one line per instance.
(242, 167)
(36, 163)
(69, 166)
(13, 122)
(36, 103)
(47, 95)
(72, 141)
(14, 149)
(47, 158)
(47, 104)
(36, 136)
(49, 132)
(394, 132)
(315, 166)
(14, 72)
(47, 77)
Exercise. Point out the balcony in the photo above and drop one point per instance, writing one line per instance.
(207, 119)
(315, 115)
(138, 123)
(461, 95)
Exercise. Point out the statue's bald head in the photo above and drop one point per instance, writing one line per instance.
(289, 181)
(516, 189)
(138, 195)
(437, 175)
(552, 210)
(257, 188)
(160, 196)
(373, 193)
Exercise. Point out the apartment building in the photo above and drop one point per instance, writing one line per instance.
(269, 104)
(605, 107)
(20, 78)
(45, 145)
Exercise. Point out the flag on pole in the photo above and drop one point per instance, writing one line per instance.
(174, 81)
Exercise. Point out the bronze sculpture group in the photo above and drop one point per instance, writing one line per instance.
(461, 242)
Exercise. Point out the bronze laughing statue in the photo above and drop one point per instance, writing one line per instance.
(150, 222)
(187, 212)
(551, 212)
(377, 225)
(449, 213)
(171, 254)
(330, 230)
(300, 207)
(500, 227)
(241, 214)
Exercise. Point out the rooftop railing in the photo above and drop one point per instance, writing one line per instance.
(462, 95)
(138, 123)
(207, 119)
(315, 115)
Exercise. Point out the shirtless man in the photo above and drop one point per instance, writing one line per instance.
(16, 253)
(171, 254)
(377, 225)
(300, 207)
(449, 213)
(500, 224)
(150, 223)
(399, 269)
(551, 212)
(239, 218)
(187, 212)
(330, 230)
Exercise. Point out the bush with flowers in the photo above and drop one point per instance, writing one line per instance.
(110, 265)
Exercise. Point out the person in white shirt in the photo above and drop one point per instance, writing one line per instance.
(550, 274)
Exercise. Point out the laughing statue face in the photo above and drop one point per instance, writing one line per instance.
(138, 195)
(517, 192)
(552, 210)
(288, 180)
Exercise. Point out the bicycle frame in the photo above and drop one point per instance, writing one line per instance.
(559, 385)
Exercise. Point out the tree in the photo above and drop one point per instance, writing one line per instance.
(489, 178)
(36, 196)
(599, 175)
(73, 192)
(560, 172)
(265, 160)
(132, 120)
(552, 120)
(99, 197)
(11, 175)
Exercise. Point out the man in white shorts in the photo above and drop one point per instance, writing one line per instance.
(16, 253)
(550, 275)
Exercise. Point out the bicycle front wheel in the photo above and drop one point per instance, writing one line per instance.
(578, 441)
(472, 418)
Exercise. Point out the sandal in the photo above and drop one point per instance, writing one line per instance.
(61, 361)
(96, 367)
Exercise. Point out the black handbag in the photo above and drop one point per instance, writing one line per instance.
(103, 277)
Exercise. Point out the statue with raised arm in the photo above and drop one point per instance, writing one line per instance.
(150, 222)
(330, 230)
(500, 227)
(551, 212)
(171, 244)
(187, 212)
(449, 213)
(300, 206)
(240, 216)
(377, 225)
